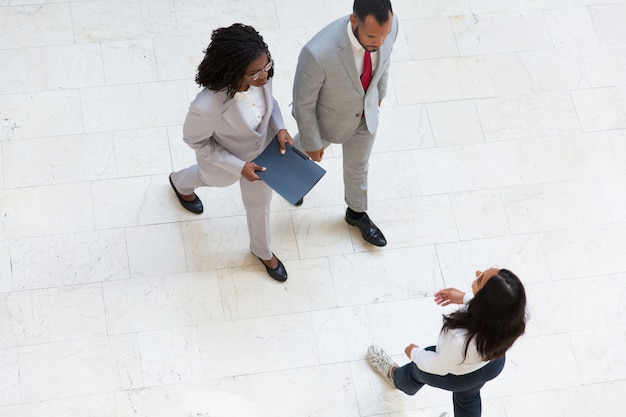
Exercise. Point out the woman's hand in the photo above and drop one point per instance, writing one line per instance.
(248, 171)
(409, 348)
(449, 296)
(283, 138)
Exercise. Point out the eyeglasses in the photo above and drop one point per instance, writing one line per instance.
(266, 68)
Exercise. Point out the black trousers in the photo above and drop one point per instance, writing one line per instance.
(465, 388)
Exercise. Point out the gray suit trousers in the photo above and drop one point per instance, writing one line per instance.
(356, 155)
(256, 197)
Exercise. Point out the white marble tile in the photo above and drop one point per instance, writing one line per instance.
(169, 356)
(225, 242)
(432, 221)
(600, 354)
(552, 206)
(99, 405)
(32, 25)
(142, 152)
(403, 128)
(397, 324)
(246, 293)
(480, 214)
(136, 201)
(9, 377)
(260, 345)
(134, 106)
(570, 27)
(467, 167)
(391, 275)
(55, 314)
(608, 22)
(614, 189)
(538, 71)
(63, 214)
(41, 114)
(597, 399)
(441, 80)
(491, 33)
(600, 109)
(577, 304)
(584, 252)
(518, 117)
(521, 254)
(491, 6)
(455, 123)
(101, 20)
(178, 57)
(391, 174)
(310, 14)
(285, 45)
(321, 231)
(5, 267)
(194, 17)
(114, 360)
(69, 259)
(565, 157)
(128, 62)
(531, 365)
(162, 302)
(375, 396)
(430, 38)
(48, 162)
(155, 250)
(341, 334)
(540, 403)
(604, 64)
(51, 68)
(617, 139)
(408, 9)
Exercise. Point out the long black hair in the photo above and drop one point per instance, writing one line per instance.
(495, 317)
(227, 57)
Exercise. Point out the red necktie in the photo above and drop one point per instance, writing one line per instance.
(366, 77)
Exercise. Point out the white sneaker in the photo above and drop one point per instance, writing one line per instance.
(381, 362)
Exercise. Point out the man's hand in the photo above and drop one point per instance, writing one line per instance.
(283, 138)
(248, 171)
(449, 296)
(409, 348)
(316, 155)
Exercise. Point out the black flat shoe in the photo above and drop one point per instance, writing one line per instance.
(194, 206)
(279, 273)
(299, 202)
(369, 230)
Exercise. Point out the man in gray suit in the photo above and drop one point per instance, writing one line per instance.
(340, 81)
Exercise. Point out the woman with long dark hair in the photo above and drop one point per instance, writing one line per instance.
(472, 344)
(231, 121)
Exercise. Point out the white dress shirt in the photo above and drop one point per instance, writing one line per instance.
(359, 52)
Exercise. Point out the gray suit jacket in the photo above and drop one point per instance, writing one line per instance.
(328, 99)
(216, 130)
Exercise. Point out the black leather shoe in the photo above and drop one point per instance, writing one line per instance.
(369, 230)
(194, 206)
(279, 273)
(299, 202)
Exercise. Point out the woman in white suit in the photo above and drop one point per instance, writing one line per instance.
(231, 121)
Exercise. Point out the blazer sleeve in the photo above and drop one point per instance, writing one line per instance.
(198, 131)
(307, 84)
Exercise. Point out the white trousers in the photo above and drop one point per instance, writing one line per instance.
(256, 197)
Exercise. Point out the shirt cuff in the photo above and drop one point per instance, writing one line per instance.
(468, 297)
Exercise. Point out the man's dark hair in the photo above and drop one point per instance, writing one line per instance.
(378, 8)
(227, 57)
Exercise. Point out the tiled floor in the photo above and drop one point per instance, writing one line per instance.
(503, 141)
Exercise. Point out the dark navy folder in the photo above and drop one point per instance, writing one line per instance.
(291, 175)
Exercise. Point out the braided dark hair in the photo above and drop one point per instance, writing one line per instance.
(227, 57)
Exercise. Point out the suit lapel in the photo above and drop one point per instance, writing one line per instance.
(232, 115)
(347, 57)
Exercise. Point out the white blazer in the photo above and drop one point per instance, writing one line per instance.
(222, 140)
